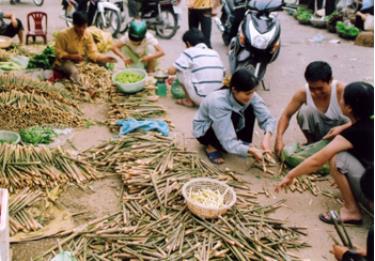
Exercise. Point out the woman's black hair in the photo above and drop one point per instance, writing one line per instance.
(243, 80)
(318, 71)
(360, 97)
(193, 37)
(80, 18)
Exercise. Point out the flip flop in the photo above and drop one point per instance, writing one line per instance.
(214, 156)
(323, 218)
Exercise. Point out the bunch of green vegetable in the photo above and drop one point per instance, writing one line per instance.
(294, 154)
(128, 77)
(347, 31)
(300, 10)
(304, 17)
(44, 60)
(37, 135)
(9, 66)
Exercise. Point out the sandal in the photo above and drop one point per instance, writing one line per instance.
(326, 218)
(186, 103)
(214, 156)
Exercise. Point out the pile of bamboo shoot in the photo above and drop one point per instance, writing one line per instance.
(20, 217)
(155, 223)
(21, 110)
(10, 82)
(35, 167)
(95, 83)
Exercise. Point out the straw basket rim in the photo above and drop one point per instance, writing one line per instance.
(203, 208)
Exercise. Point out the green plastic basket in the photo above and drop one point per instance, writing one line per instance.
(10, 137)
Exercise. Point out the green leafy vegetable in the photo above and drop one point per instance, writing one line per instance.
(37, 135)
(44, 60)
(128, 77)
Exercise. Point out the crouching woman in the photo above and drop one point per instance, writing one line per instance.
(349, 153)
(225, 119)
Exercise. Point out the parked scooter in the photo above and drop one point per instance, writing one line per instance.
(36, 2)
(258, 41)
(107, 15)
(161, 16)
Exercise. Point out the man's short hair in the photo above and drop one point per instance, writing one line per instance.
(193, 37)
(80, 18)
(318, 71)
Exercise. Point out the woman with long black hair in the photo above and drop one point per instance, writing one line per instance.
(225, 119)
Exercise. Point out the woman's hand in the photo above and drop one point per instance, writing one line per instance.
(285, 182)
(338, 251)
(127, 61)
(256, 153)
(266, 142)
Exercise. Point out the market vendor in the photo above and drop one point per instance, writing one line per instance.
(13, 28)
(319, 114)
(225, 119)
(198, 68)
(138, 45)
(349, 154)
(75, 45)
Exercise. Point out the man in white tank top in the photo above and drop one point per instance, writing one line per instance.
(319, 113)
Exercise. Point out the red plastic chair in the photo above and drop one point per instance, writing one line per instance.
(38, 30)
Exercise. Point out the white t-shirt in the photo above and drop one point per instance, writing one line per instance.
(140, 49)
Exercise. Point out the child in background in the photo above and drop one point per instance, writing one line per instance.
(139, 46)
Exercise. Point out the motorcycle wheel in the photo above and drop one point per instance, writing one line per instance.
(124, 16)
(168, 24)
(112, 23)
(38, 2)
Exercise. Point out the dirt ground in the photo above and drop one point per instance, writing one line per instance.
(98, 198)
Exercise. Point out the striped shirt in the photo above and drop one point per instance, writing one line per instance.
(205, 67)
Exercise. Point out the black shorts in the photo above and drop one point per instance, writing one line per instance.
(10, 31)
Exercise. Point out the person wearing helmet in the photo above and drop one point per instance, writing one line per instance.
(139, 47)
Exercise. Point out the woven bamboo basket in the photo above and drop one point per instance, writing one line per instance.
(206, 211)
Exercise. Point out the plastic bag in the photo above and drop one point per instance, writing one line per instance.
(64, 256)
(295, 153)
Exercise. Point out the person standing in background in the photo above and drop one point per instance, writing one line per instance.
(199, 14)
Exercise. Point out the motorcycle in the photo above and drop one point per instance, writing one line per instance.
(107, 15)
(258, 41)
(36, 2)
(232, 13)
(161, 16)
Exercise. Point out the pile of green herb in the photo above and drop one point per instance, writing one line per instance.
(44, 60)
(347, 31)
(37, 135)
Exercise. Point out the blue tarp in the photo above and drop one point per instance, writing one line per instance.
(130, 125)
